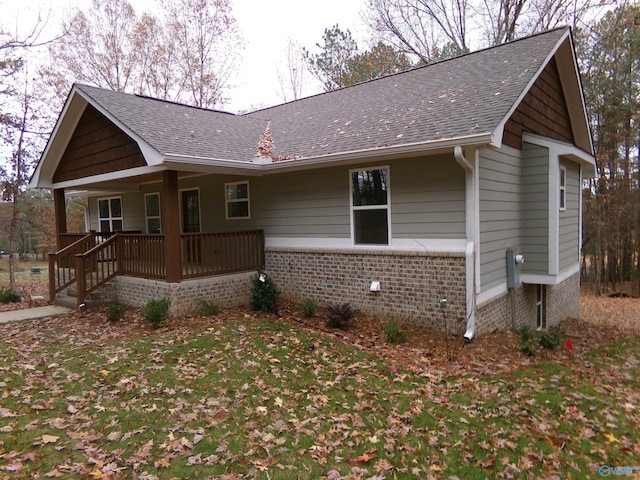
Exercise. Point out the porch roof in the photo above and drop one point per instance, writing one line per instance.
(462, 101)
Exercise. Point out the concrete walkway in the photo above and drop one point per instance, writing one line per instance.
(31, 313)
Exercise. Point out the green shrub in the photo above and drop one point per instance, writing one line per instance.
(340, 316)
(395, 333)
(528, 344)
(308, 308)
(9, 296)
(264, 293)
(156, 311)
(530, 339)
(207, 308)
(115, 313)
(550, 339)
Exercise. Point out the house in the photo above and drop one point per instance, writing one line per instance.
(451, 191)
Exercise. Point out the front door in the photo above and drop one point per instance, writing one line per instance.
(191, 224)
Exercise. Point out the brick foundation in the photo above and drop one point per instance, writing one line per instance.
(226, 290)
(412, 284)
(561, 301)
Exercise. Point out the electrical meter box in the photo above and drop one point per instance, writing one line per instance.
(514, 260)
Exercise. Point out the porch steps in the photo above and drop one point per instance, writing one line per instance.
(102, 296)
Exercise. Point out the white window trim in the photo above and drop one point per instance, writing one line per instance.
(541, 313)
(199, 206)
(110, 218)
(147, 217)
(237, 200)
(370, 207)
(562, 191)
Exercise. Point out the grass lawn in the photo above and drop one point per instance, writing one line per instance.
(260, 398)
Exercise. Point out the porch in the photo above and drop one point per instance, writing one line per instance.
(89, 261)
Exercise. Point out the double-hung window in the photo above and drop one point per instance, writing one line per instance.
(152, 212)
(110, 214)
(370, 206)
(563, 188)
(237, 200)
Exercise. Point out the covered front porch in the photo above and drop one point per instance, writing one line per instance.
(84, 262)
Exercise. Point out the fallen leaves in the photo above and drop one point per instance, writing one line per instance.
(253, 397)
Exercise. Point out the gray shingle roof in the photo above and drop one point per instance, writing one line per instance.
(459, 97)
(464, 96)
(179, 129)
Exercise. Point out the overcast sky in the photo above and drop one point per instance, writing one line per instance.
(265, 25)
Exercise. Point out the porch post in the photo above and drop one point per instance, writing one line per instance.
(60, 214)
(171, 226)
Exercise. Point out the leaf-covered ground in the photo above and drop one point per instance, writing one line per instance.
(246, 395)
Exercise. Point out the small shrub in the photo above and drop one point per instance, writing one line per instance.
(395, 333)
(207, 308)
(264, 293)
(526, 333)
(9, 296)
(308, 308)
(340, 316)
(528, 344)
(156, 311)
(550, 339)
(115, 313)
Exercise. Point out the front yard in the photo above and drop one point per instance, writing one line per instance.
(245, 395)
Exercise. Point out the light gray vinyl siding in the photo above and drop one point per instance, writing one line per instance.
(535, 228)
(427, 201)
(428, 198)
(569, 240)
(132, 211)
(500, 212)
(301, 204)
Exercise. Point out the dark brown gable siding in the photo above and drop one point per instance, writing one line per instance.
(543, 111)
(96, 147)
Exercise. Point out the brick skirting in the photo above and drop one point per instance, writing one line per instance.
(412, 284)
(561, 301)
(227, 290)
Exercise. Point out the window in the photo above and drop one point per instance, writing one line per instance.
(370, 206)
(190, 211)
(541, 321)
(563, 188)
(110, 214)
(237, 200)
(152, 212)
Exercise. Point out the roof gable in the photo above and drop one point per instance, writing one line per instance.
(97, 147)
(456, 102)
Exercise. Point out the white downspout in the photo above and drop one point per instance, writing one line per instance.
(470, 261)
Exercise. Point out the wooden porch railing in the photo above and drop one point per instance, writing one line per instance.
(62, 271)
(96, 267)
(92, 263)
(141, 255)
(205, 254)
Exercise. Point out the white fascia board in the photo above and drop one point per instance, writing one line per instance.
(535, 279)
(566, 150)
(427, 246)
(575, 103)
(81, 183)
(58, 140)
(247, 167)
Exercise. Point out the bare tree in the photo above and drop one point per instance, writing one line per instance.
(100, 47)
(424, 28)
(186, 55)
(292, 79)
(206, 36)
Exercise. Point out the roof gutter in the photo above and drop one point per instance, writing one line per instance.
(300, 163)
